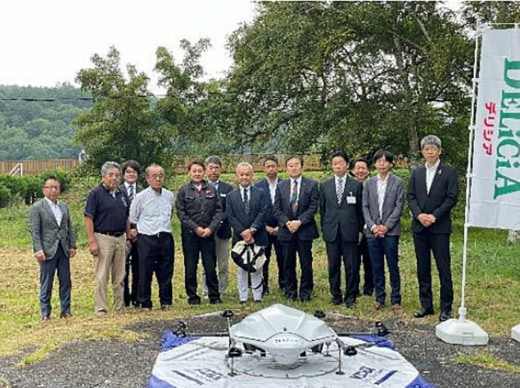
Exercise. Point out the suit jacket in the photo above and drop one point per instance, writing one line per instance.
(393, 205)
(240, 221)
(224, 230)
(46, 234)
(347, 217)
(307, 208)
(439, 201)
(138, 189)
(270, 219)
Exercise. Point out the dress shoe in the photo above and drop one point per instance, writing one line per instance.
(258, 301)
(65, 314)
(194, 301)
(46, 319)
(265, 291)
(444, 316)
(336, 301)
(243, 302)
(215, 301)
(291, 297)
(305, 299)
(421, 313)
(165, 307)
(378, 306)
(368, 292)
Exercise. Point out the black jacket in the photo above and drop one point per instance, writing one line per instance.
(196, 209)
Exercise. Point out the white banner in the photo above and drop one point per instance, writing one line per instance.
(203, 362)
(495, 189)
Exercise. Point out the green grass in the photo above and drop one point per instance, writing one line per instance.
(493, 285)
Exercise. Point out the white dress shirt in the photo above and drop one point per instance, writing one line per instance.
(55, 207)
(151, 211)
(430, 174)
(381, 189)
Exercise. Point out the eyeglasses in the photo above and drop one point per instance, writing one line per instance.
(51, 187)
(156, 176)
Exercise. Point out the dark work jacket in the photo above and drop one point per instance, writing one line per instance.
(196, 209)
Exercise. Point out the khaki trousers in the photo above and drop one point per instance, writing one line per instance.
(110, 261)
(222, 252)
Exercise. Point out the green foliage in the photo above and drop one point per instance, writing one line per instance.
(122, 124)
(63, 176)
(5, 196)
(29, 127)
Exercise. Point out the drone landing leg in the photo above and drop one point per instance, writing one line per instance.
(339, 372)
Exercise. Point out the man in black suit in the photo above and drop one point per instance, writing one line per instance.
(246, 207)
(223, 234)
(432, 193)
(295, 205)
(269, 185)
(342, 226)
(131, 170)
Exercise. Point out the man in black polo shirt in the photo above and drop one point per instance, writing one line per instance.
(106, 224)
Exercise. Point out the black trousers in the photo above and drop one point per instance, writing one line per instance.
(130, 283)
(425, 243)
(304, 250)
(346, 251)
(363, 257)
(156, 254)
(192, 245)
(274, 243)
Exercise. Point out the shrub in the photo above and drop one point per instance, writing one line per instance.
(5, 196)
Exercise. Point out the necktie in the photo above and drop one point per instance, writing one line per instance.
(294, 198)
(339, 190)
(246, 201)
(131, 192)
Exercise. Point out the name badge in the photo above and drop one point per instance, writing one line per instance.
(223, 195)
(351, 200)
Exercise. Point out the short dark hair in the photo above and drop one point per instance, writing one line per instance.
(132, 164)
(340, 154)
(214, 160)
(299, 157)
(196, 163)
(384, 154)
(362, 160)
(50, 177)
(271, 158)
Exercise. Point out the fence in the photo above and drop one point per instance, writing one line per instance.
(179, 165)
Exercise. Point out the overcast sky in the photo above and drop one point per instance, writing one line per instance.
(45, 42)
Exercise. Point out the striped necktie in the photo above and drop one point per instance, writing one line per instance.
(339, 190)
(246, 201)
(131, 192)
(294, 198)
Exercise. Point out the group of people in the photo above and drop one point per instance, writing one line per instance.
(129, 232)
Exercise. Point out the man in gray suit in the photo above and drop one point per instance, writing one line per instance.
(54, 244)
(383, 201)
(342, 225)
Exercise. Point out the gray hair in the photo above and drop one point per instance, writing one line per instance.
(431, 140)
(214, 160)
(109, 165)
(244, 164)
(153, 165)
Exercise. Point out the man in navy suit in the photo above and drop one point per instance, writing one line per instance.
(432, 193)
(295, 206)
(342, 226)
(269, 185)
(245, 211)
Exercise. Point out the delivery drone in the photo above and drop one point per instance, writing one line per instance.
(286, 334)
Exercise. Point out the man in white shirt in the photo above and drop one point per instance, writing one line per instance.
(150, 217)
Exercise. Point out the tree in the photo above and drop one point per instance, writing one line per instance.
(321, 76)
(122, 124)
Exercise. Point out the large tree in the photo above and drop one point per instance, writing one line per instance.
(320, 76)
(122, 124)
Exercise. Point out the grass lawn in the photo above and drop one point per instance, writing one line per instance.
(491, 292)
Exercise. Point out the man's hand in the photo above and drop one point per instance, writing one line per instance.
(40, 256)
(199, 231)
(72, 252)
(293, 226)
(206, 232)
(426, 219)
(93, 248)
(247, 235)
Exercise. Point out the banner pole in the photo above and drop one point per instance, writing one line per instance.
(461, 331)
